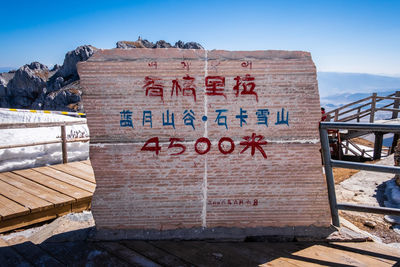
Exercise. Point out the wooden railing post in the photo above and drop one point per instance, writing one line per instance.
(373, 106)
(336, 115)
(64, 144)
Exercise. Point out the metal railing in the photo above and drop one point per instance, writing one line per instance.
(329, 163)
(63, 140)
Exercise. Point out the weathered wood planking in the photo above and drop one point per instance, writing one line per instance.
(39, 194)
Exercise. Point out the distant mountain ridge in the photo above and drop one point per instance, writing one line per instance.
(6, 69)
(337, 89)
(332, 83)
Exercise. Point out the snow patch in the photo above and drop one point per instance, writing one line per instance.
(39, 155)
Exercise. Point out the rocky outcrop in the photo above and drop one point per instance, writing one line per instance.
(192, 45)
(3, 92)
(125, 45)
(34, 86)
(67, 73)
(67, 98)
(27, 84)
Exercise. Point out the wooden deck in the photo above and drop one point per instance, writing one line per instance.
(196, 253)
(35, 195)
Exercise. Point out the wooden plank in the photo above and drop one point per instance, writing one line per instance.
(155, 254)
(55, 184)
(68, 178)
(71, 169)
(55, 197)
(32, 218)
(323, 254)
(10, 209)
(81, 253)
(9, 257)
(27, 200)
(375, 250)
(388, 97)
(205, 254)
(389, 109)
(126, 254)
(236, 252)
(82, 166)
(81, 206)
(87, 162)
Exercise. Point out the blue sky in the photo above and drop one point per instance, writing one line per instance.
(343, 36)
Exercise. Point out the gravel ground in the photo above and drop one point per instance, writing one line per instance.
(368, 188)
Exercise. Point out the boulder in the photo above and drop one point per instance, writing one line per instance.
(67, 98)
(139, 43)
(68, 70)
(145, 43)
(27, 84)
(55, 68)
(125, 45)
(3, 87)
(162, 44)
(192, 45)
(179, 44)
(3, 93)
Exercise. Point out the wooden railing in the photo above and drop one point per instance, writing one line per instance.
(365, 107)
(63, 140)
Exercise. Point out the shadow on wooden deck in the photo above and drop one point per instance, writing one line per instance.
(73, 249)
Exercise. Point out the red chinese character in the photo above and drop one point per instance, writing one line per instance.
(189, 88)
(215, 85)
(255, 141)
(255, 203)
(247, 84)
(154, 87)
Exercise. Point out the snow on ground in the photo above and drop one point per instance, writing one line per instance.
(363, 187)
(40, 155)
(372, 189)
(369, 151)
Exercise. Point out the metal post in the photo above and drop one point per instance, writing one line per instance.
(394, 142)
(396, 106)
(394, 116)
(329, 176)
(64, 144)
(378, 145)
(358, 114)
(373, 107)
(336, 115)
